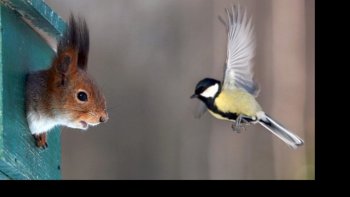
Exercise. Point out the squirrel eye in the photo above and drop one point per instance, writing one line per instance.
(82, 96)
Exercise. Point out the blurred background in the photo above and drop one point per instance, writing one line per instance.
(148, 55)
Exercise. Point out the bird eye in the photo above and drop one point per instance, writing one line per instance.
(82, 96)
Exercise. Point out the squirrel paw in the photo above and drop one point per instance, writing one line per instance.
(40, 140)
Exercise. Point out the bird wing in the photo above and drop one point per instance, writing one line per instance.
(200, 109)
(240, 51)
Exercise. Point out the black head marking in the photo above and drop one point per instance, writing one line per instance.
(204, 84)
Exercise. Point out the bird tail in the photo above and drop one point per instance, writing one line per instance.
(277, 129)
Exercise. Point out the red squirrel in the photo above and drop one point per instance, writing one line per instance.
(65, 94)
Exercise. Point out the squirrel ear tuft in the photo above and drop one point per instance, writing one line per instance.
(76, 37)
(84, 44)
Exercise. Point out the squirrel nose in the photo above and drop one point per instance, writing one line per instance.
(104, 118)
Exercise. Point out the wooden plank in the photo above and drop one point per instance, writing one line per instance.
(22, 50)
(39, 14)
(4, 177)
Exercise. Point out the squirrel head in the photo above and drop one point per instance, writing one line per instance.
(74, 95)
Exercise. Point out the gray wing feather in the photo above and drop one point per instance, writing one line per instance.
(201, 108)
(240, 51)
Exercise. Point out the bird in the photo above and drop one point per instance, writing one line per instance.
(234, 99)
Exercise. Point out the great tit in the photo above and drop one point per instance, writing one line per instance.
(234, 100)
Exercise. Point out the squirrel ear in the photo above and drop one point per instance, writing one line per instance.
(65, 65)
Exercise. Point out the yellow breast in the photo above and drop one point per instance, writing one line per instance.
(237, 101)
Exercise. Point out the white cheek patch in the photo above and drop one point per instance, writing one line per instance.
(211, 91)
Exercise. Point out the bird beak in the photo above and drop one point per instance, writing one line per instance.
(194, 96)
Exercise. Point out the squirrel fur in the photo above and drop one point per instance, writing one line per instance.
(65, 94)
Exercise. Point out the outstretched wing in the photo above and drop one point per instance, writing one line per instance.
(240, 51)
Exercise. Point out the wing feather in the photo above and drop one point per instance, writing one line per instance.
(240, 51)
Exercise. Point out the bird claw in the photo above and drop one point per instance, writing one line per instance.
(238, 128)
(239, 125)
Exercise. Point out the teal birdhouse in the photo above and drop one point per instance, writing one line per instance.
(24, 49)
